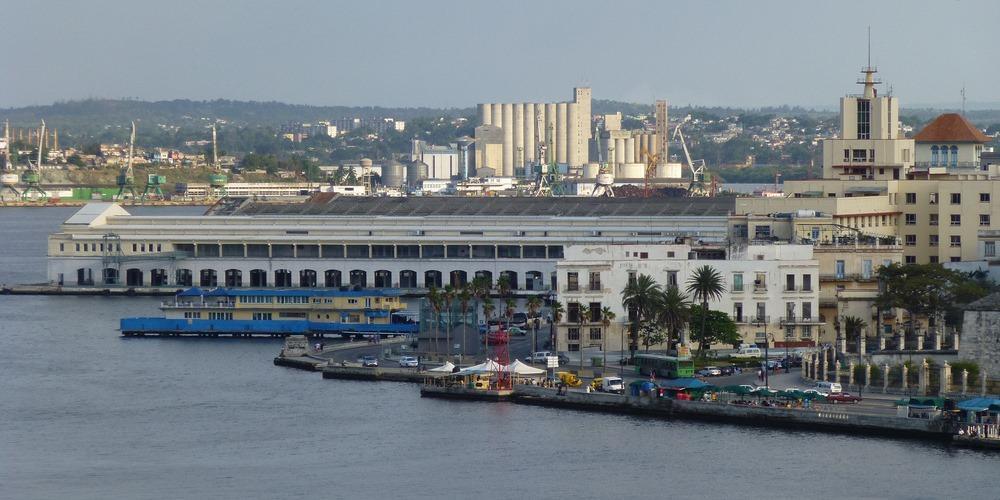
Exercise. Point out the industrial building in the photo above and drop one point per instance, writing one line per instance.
(331, 241)
(520, 128)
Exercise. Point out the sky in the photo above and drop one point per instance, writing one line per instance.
(459, 53)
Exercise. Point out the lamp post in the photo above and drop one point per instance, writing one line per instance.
(762, 321)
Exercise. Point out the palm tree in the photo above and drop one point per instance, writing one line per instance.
(464, 297)
(704, 285)
(853, 326)
(503, 285)
(639, 300)
(607, 316)
(446, 297)
(534, 304)
(583, 316)
(480, 287)
(673, 311)
(556, 310)
(488, 308)
(434, 301)
(509, 307)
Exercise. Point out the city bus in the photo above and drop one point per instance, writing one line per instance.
(664, 366)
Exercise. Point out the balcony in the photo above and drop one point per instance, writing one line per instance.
(757, 320)
(848, 277)
(737, 289)
(759, 287)
(197, 305)
(796, 320)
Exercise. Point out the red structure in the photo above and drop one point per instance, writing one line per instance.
(502, 355)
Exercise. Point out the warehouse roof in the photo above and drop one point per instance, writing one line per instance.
(420, 206)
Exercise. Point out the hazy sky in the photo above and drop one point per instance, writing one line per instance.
(438, 53)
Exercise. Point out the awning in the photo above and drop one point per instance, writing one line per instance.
(448, 367)
(192, 292)
(681, 384)
(979, 404)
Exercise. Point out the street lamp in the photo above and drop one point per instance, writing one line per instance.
(762, 321)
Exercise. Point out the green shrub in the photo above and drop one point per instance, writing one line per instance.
(958, 366)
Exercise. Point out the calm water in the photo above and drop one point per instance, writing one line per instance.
(87, 414)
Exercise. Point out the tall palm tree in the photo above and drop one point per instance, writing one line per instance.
(434, 301)
(534, 304)
(557, 311)
(607, 317)
(704, 285)
(480, 287)
(673, 311)
(509, 307)
(488, 309)
(853, 326)
(582, 317)
(503, 285)
(447, 296)
(464, 297)
(639, 300)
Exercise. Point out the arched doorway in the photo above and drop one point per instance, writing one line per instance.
(533, 280)
(511, 278)
(133, 277)
(158, 277)
(432, 279)
(331, 278)
(359, 278)
(258, 278)
(234, 277)
(383, 279)
(307, 278)
(184, 277)
(407, 279)
(458, 278)
(282, 278)
(485, 275)
(209, 278)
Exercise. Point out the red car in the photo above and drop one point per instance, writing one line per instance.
(843, 397)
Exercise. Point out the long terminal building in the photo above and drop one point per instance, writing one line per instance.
(333, 241)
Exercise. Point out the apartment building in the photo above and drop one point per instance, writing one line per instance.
(772, 290)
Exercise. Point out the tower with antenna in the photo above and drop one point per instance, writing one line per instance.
(126, 178)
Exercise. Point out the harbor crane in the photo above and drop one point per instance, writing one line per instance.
(218, 180)
(697, 167)
(604, 180)
(32, 177)
(651, 161)
(9, 179)
(126, 177)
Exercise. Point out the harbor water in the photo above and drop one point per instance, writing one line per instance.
(87, 414)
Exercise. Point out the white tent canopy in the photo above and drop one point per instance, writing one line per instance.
(523, 369)
(445, 368)
(489, 366)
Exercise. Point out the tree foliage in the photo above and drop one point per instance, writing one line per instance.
(719, 328)
(926, 290)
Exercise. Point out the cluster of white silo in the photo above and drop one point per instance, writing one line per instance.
(563, 128)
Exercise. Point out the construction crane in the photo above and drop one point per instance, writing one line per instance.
(8, 179)
(217, 181)
(697, 167)
(126, 178)
(604, 180)
(32, 178)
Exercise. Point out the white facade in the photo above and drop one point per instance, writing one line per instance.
(777, 284)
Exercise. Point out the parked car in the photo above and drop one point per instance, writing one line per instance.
(710, 371)
(519, 319)
(814, 391)
(369, 361)
(727, 370)
(408, 362)
(514, 330)
(843, 397)
(828, 387)
(539, 357)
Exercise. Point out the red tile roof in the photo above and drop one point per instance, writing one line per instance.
(950, 127)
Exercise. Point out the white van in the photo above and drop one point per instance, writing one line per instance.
(828, 387)
(746, 352)
(613, 384)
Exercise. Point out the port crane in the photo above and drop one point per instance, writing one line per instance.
(604, 180)
(218, 180)
(32, 178)
(9, 179)
(126, 177)
(697, 167)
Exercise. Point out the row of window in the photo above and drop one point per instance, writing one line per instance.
(956, 198)
(262, 316)
(934, 259)
(573, 281)
(955, 219)
(939, 156)
(114, 247)
(761, 312)
(220, 315)
(910, 240)
(573, 313)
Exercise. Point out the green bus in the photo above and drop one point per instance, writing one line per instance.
(664, 366)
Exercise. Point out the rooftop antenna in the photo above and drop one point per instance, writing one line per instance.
(963, 99)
